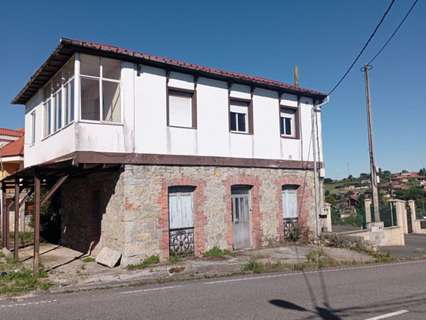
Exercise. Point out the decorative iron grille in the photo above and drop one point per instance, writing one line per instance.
(181, 241)
(291, 228)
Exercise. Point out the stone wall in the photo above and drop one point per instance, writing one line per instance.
(134, 210)
(92, 212)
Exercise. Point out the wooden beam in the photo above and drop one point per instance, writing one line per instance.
(36, 259)
(16, 227)
(3, 217)
(52, 191)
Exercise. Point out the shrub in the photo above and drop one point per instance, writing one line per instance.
(148, 262)
(217, 252)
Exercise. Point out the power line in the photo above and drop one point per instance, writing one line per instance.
(363, 48)
(394, 32)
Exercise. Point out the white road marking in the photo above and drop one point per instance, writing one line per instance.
(388, 315)
(24, 304)
(151, 289)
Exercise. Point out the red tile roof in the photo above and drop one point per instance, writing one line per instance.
(67, 47)
(14, 148)
(11, 132)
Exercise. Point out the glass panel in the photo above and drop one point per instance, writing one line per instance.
(241, 122)
(281, 125)
(90, 99)
(111, 68)
(69, 102)
(288, 126)
(33, 129)
(89, 65)
(58, 110)
(111, 110)
(48, 118)
(180, 109)
(68, 70)
(233, 121)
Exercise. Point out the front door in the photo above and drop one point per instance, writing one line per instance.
(241, 218)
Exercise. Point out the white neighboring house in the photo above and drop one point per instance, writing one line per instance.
(227, 157)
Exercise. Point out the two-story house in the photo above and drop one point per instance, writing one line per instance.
(166, 157)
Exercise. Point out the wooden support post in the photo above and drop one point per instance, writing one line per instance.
(36, 261)
(3, 217)
(16, 227)
(6, 219)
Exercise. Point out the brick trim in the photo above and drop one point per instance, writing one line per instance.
(199, 217)
(304, 198)
(255, 217)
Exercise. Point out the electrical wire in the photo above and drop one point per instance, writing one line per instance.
(363, 48)
(394, 32)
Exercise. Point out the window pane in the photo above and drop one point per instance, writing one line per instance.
(90, 99)
(58, 110)
(281, 125)
(288, 126)
(47, 118)
(111, 68)
(33, 127)
(233, 121)
(241, 122)
(89, 65)
(111, 110)
(68, 70)
(71, 100)
(180, 110)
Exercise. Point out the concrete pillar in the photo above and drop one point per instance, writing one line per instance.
(326, 223)
(401, 214)
(367, 208)
(412, 206)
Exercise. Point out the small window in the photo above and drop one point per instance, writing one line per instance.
(181, 207)
(180, 109)
(89, 65)
(288, 123)
(239, 117)
(33, 127)
(289, 200)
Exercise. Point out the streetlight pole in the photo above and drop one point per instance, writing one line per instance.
(373, 171)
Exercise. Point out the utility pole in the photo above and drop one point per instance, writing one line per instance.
(373, 172)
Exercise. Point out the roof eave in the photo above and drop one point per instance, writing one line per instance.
(67, 47)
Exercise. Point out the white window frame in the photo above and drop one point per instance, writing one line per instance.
(190, 95)
(33, 127)
(236, 109)
(100, 79)
(52, 99)
(291, 114)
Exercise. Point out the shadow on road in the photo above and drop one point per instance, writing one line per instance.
(325, 311)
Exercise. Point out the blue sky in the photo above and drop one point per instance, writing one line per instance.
(265, 38)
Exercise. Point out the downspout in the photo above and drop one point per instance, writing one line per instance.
(317, 185)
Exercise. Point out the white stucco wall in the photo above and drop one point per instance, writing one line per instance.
(144, 122)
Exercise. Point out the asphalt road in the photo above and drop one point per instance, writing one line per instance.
(392, 291)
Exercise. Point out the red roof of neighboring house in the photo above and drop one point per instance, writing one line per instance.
(11, 132)
(67, 47)
(14, 148)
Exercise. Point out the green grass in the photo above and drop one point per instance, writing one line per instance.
(88, 259)
(148, 262)
(216, 252)
(382, 257)
(22, 281)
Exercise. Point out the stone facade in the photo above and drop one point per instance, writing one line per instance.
(132, 212)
